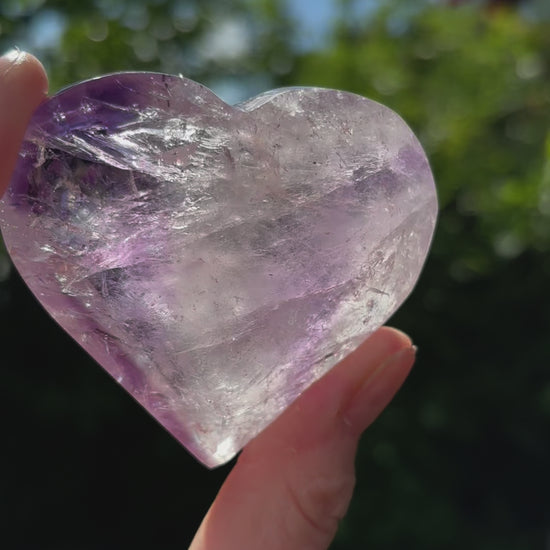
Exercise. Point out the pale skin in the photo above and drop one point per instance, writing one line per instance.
(293, 483)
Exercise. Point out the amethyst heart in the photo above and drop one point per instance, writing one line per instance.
(217, 260)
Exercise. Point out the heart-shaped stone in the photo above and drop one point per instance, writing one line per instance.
(217, 260)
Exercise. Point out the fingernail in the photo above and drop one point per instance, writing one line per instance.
(378, 389)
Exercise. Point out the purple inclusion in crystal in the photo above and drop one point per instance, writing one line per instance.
(217, 260)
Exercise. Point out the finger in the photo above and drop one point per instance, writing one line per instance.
(23, 86)
(293, 483)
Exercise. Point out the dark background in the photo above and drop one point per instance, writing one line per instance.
(461, 457)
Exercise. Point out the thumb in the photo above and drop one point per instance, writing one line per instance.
(293, 483)
(23, 85)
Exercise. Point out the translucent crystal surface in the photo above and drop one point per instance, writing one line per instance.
(216, 260)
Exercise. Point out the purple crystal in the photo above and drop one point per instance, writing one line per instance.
(217, 260)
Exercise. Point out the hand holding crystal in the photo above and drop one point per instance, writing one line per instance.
(292, 483)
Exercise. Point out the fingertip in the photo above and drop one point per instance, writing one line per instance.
(24, 70)
(395, 339)
(23, 86)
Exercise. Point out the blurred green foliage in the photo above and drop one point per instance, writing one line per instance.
(461, 457)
